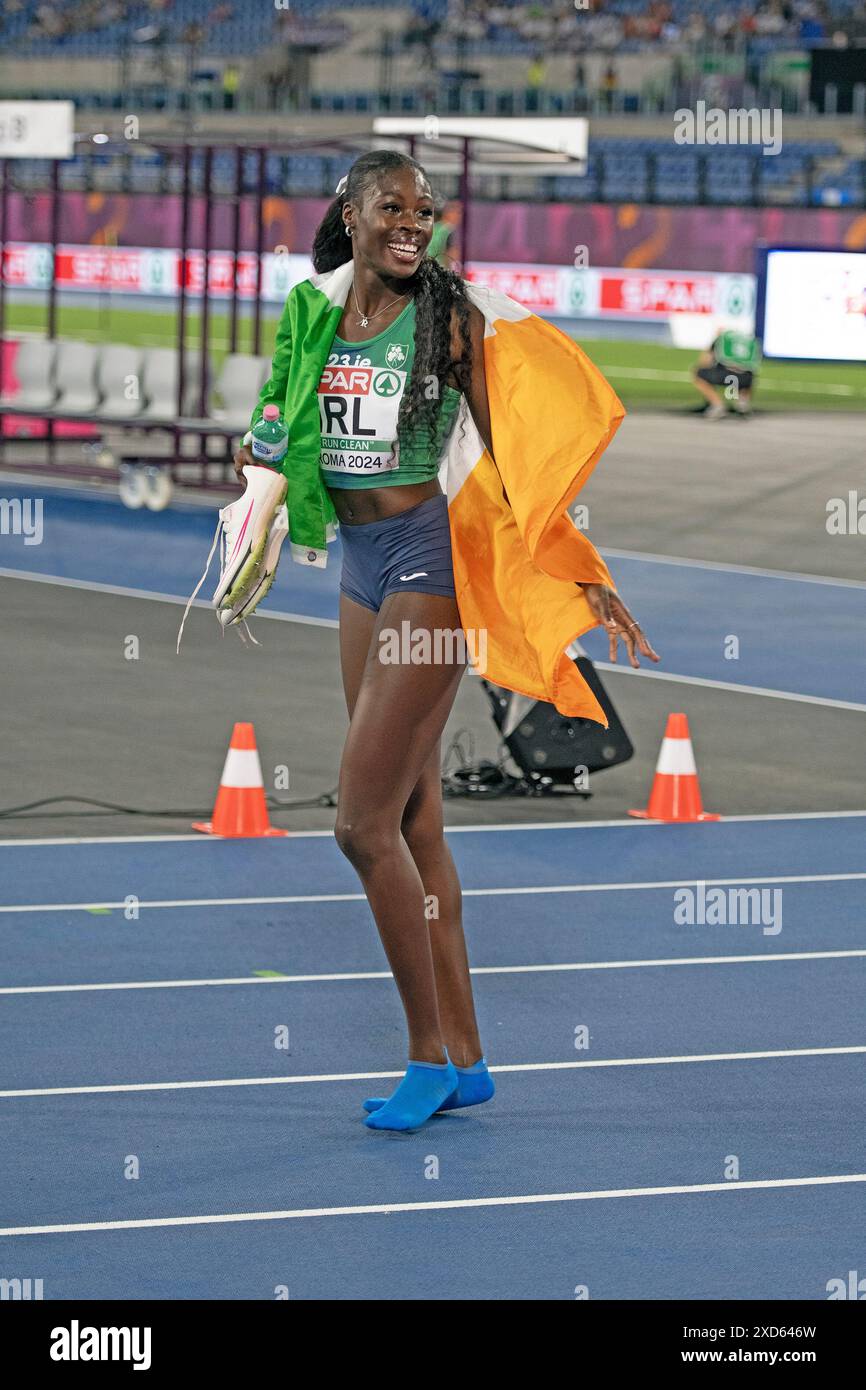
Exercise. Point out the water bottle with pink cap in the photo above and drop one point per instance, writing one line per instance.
(270, 438)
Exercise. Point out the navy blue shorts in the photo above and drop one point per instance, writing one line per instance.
(410, 551)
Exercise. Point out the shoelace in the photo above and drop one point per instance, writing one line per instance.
(219, 535)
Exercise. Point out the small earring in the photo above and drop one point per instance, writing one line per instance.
(348, 231)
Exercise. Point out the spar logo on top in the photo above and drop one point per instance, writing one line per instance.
(613, 292)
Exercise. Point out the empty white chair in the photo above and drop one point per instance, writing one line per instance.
(237, 389)
(119, 380)
(160, 384)
(34, 370)
(76, 379)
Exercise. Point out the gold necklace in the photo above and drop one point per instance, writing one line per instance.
(364, 320)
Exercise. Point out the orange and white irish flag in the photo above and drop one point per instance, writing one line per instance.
(517, 553)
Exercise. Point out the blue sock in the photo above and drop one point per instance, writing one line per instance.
(474, 1086)
(420, 1094)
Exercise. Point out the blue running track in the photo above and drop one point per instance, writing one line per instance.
(189, 1027)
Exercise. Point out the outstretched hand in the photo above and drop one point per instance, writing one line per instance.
(618, 622)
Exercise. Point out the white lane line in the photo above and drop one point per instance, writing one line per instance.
(733, 686)
(653, 559)
(647, 556)
(475, 970)
(333, 623)
(451, 1204)
(227, 1082)
(123, 591)
(449, 830)
(467, 893)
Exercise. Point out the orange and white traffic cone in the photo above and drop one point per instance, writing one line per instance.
(676, 792)
(240, 808)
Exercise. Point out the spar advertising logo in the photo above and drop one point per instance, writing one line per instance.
(613, 292)
(151, 270)
(584, 291)
(657, 294)
(358, 408)
(386, 383)
(662, 293)
(539, 287)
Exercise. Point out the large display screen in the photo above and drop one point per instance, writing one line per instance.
(812, 305)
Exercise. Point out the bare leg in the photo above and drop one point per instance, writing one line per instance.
(423, 831)
(422, 827)
(399, 712)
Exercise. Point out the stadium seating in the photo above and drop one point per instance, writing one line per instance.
(160, 381)
(75, 379)
(240, 381)
(70, 380)
(34, 369)
(844, 187)
(116, 370)
(654, 170)
(245, 26)
(66, 378)
(640, 169)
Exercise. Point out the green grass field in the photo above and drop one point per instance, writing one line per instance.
(645, 376)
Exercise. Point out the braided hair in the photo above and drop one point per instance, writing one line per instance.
(434, 289)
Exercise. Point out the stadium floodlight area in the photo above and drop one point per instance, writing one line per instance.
(490, 144)
(501, 144)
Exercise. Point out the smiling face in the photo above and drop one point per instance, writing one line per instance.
(391, 229)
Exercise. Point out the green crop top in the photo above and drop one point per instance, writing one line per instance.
(360, 391)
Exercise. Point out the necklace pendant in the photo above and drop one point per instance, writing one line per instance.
(364, 323)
